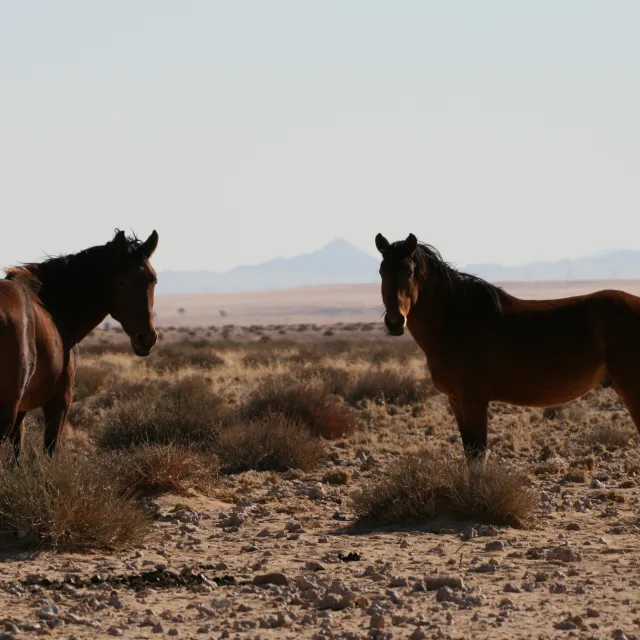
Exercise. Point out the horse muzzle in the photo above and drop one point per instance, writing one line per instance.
(395, 328)
(142, 343)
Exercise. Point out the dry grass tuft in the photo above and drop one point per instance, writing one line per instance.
(423, 485)
(185, 412)
(186, 353)
(311, 405)
(160, 468)
(68, 503)
(610, 436)
(392, 386)
(272, 442)
(93, 377)
(335, 380)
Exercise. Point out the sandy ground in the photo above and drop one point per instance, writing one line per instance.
(276, 555)
(328, 304)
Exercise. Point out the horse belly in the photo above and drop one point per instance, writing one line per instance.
(546, 382)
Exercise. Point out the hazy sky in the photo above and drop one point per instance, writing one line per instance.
(243, 130)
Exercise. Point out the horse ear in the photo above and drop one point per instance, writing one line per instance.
(120, 242)
(410, 245)
(150, 244)
(382, 244)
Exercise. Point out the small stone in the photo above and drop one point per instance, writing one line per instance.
(316, 492)
(495, 545)
(574, 526)
(50, 612)
(157, 628)
(436, 582)
(565, 625)
(398, 581)
(278, 579)
(564, 554)
(558, 588)
(329, 601)
(377, 621)
(336, 476)
(509, 588)
(592, 613)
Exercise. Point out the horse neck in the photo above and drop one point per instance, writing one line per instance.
(426, 315)
(77, 314)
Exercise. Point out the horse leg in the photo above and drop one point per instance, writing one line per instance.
(471, 416)
(17, 435)
(55, 416)
(630, 395)
(8, 416)
(57, 408)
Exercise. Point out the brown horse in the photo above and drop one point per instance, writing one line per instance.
(483, 344)
(47, 308)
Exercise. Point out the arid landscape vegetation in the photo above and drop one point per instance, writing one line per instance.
(307, 481)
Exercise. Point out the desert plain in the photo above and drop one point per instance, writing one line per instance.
(286, 470)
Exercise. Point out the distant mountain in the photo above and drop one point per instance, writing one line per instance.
(605, 265)
(339, 262)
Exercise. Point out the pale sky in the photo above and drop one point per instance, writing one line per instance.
(244, 130)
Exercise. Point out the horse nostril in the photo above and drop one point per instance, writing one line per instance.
(146, 340)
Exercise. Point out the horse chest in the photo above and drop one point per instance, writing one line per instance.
(453, 358)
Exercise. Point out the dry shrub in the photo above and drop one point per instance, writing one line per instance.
(186, 353)
(161, 468)
(102, 347)
(185, 412)
(610, 436)
(69, 502)
(311, 405)
(388, 385)
(423, 485)
(92, 377)
(272, 442)
(334, 379)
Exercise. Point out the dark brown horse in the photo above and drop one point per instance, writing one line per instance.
(47, 308)
(483, 344)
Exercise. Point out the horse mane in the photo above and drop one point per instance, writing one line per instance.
(463, 288)
(59, 276)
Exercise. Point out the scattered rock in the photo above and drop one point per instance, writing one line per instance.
(495, 545)
(434, 583)
(278, 579)
(336, 477)
(564, 554)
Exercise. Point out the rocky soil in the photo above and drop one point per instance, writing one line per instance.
(277, 555)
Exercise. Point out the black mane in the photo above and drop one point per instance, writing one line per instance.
(57, 278)
(432, 270)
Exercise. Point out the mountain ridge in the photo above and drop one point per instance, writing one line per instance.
(340, 262)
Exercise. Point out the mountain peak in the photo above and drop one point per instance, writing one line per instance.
(338, 262)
